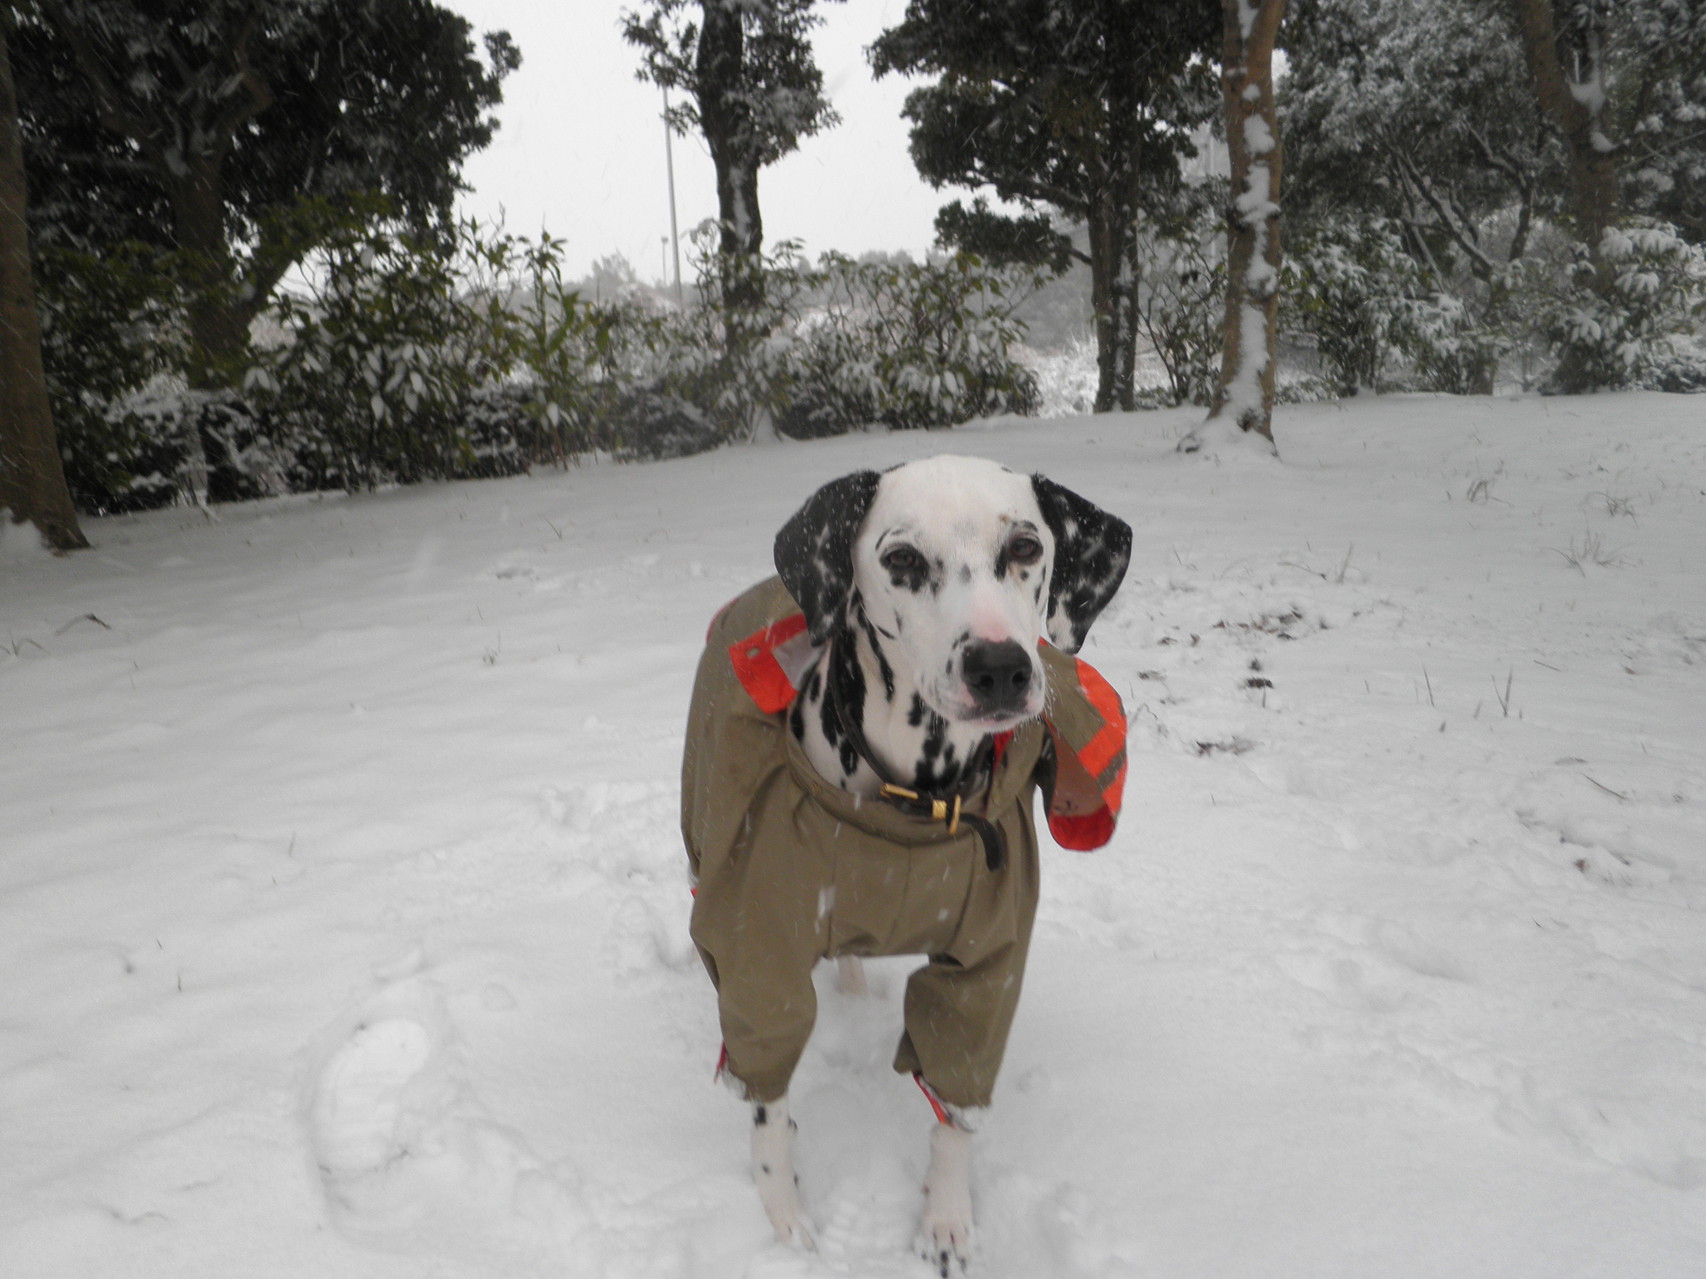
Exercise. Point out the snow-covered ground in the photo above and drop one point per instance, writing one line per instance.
(343, 913)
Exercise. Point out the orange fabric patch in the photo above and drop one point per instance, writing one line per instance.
(1099, 752)
(1116, 790)
(1082, 834)
(1109, 740)
(1100, 692)
(756, 667)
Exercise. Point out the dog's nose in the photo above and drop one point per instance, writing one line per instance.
(998, 675)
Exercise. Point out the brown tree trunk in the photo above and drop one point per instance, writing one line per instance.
(729, 132)
(32, 479)
(222, 304)
(1575, 104)
(219, 326)
(1102, 303)
(1245, 391)
(1112, 227)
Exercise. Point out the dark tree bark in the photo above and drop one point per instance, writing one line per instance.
(1114, 216)
(727, 120)
(1575, 104)
(220, 311)
(753, 90)
(32, 480)
(1081, 107)
(1246, 393)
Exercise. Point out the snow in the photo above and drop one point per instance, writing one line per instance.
(343, 913)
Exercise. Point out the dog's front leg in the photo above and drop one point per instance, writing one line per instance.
(773, 1172)
(944, 1237)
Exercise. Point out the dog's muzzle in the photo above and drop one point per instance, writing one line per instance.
(998, 676)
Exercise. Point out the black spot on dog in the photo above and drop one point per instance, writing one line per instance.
(907, 568)
(883, 668)
(935, 770)
(1091, 551)
(814, 549)
(844, 695)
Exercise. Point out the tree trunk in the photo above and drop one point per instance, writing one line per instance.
(220, 310)
(32, 478)
(1575, 104)
(1245, 392)
(1102, 260)
(729, 132)
(219, 330)
(1112, 226)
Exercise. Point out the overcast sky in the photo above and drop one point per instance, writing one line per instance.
(581, 149)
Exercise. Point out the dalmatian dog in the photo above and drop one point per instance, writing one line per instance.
(937, 578)
(928, 587)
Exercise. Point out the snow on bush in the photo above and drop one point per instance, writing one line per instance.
(1624, 330)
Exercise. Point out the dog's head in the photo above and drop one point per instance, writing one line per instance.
(953, 568)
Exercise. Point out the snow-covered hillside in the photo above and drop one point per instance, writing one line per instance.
(343, 912)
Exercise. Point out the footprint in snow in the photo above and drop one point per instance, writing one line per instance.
(406, 1154)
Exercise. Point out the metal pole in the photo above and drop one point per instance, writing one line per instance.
(669, 162)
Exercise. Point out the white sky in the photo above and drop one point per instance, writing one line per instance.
(581, 150)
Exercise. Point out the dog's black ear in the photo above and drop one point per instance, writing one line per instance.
(1091, 551)
(814, 550)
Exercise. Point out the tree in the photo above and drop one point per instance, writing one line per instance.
(751, 87)
(236, 131)
(1658, 102)
(1245, 393)
(1416, 111)
(1416, 115)
(1566, 64)
(1080, 106)
(32, 480)
(1482, 129)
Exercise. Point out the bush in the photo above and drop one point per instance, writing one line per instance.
(1620, 329)
(905, 345)
(112, 326)
(1680, 374)
(463, 354)
(1379, 320)
(1181, 306)
(378, 362)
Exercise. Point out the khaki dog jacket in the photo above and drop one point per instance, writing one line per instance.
(789, 869)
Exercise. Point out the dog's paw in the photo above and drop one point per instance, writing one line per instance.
(781, 1200)
(944, 1235)
(773, 1174)
(791, 1225)
(946, 1246)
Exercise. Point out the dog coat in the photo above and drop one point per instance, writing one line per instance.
(790, 869)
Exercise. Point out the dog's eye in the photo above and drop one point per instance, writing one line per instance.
(1025, 549)
(902, 559)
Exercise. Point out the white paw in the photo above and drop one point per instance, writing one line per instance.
(773, 1174)
(944, 1235)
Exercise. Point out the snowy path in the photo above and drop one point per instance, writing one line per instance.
(343, 914)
